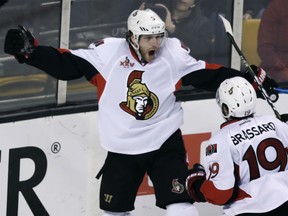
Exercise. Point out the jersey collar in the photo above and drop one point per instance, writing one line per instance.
(233, 121)
(229, 122)
(135, 56)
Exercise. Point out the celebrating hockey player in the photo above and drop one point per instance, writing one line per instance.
(245, 164)
(139, 117)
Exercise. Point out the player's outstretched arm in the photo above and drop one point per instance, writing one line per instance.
(59, 63)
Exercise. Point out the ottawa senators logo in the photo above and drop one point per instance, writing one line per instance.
(177, 187)
(141, 103)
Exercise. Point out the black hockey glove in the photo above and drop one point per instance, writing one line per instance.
(20, 43)
(195, 179)
(268, 84)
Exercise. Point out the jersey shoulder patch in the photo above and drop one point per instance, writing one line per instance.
(98, 43)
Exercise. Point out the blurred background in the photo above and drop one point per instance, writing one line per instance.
(26, 91)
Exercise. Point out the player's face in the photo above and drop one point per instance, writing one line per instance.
(149, 44)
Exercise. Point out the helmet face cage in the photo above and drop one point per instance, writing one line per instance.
(236, 97)
(144, 22)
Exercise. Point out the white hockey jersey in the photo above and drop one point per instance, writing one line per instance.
(251, 154)
(137, 108)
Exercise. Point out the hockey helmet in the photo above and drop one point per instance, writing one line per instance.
(236, 97)
(145, 22)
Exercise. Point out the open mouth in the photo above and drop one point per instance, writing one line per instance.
(151, 53)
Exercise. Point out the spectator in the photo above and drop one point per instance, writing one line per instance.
(221, 50)
(184, 21)
(246, 161)
(254, 9)
(272, 40)
(223, 7)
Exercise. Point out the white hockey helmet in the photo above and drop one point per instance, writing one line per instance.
(236, 97)
(145, 22)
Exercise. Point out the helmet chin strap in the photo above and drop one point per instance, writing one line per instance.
(136, 49)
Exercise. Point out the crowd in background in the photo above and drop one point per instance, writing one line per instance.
(195, 22)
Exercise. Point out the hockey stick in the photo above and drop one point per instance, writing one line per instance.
(229, 32)
(281, 90)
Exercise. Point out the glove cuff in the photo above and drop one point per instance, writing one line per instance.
(30, 43)
(265, 81)
(260, 74)
(193, 185)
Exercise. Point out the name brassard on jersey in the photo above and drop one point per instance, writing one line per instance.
(252, 132)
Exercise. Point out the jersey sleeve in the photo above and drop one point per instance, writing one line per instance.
(92, 55)
(218, 187)
(101, 53)
(61, 63)
(198, 73)
(210, 77)
(184, 62)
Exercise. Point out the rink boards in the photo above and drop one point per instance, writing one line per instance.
(48, 165)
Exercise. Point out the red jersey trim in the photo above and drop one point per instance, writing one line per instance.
(62, 50)
(212, 66)
(213, 195)
(220, 197)
(229, 122)
(178, 85)
(100, 83)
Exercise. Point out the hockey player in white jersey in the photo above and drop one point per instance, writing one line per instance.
(139, 117)
(245, 166)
